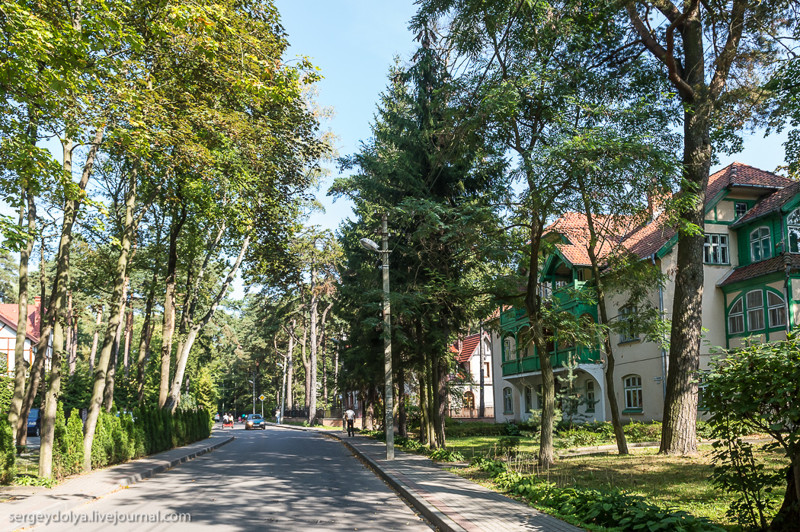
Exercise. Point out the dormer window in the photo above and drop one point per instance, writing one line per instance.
(793, 227)
(760, 244)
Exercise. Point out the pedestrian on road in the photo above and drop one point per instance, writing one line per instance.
(349, 418)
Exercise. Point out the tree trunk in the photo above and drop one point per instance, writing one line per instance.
(168, 325)
(113, 362)
(290, 369)
(116, 306)
(440, 408)
(128, 333)
(789, 513)
(679, 427)
(95, 337)
(37, 369)
(611, 394)
(306, 364)
(71, 336)
(533, 308)
(146, 337)
(22, 322)
(186, 348)
(58, 300)
(312, 326)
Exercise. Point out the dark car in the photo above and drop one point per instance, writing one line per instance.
(34, 422)
(254, 421)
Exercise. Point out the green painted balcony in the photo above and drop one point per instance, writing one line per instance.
(558, 359)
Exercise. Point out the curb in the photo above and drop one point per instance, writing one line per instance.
(64, 505)
(435, 516)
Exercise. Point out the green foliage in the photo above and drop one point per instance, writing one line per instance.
(755, 390)
(67, 444)
(8, 452)
(474, 428)
(446, 455)
(508, 446)
(613, 509)
(31, 480)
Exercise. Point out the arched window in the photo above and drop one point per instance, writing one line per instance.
(736, 317)
(776, 308)
(759, 244)
(469, 400)
(508, 401)
(632, 384)
(793, 227)
(755, 310)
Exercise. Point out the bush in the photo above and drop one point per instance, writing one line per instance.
(73, 459)
(643, 432)
(446, 455)
(612, 509)
(61, 466)
(8, 452)
(473, 428)
(508, 446)
(755, 389)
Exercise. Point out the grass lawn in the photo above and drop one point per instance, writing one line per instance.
(683, 483)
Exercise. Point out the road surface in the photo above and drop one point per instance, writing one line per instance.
(273, 479)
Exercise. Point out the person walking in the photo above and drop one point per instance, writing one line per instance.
(349, 418)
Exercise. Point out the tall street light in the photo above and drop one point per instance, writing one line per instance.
(383, 251)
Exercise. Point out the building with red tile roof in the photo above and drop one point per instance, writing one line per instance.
(751, 290)
(9, 316)
(465, 399)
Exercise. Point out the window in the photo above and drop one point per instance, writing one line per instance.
(736, 317)
(560, 283)
(776, 308)
(627, 331)
(539, 400)
(509, 349)
(740, 209)
(716, 249)
(528, 398)
(755, 310)
(759, 244)
(508, 402)
(581, 275)
(546, 290)
(486, 371)
(590, 400)
(469, 400)
(632, 385)
(793, 227)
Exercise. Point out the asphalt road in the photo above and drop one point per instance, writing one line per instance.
(275, 479)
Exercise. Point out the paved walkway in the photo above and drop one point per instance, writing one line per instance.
(449, 502)
(85, 488)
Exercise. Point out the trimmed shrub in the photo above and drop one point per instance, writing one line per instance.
(8, 452)
(74, 443)
(61, 467)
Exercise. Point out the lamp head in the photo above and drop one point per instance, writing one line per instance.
(366, 243)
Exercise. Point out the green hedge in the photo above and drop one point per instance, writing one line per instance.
(8, 452)
(122, 437)
(612, 509)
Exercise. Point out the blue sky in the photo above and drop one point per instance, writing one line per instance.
(354, 42)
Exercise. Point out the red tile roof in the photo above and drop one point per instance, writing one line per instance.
(771, 203)
(742, 175)
(645, 239)
(467, 348)
(9, 314)
(764, 267)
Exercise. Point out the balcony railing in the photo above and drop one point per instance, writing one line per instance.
(531, 364)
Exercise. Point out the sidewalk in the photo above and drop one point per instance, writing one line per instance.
(84, 488)
(449, 502)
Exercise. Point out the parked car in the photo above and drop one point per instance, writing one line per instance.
(254, 421)
(34, 422)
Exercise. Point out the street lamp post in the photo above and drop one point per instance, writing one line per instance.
(383, 251)
(253, 382)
